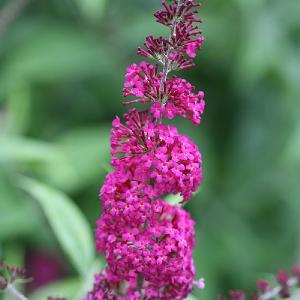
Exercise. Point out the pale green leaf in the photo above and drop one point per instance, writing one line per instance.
(16, 222)
(173, 199)
(20, 149)
(86, 152)
(191, 297)
(14, 211)
(87, 281)
(68, 223)
(65, 288)
(91, 9)
(177, 199)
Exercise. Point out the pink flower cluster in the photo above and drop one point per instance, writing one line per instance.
(147, 242)
(156, 154)
(143, 81)
(193, 46)
(174, 97)
(287, 283)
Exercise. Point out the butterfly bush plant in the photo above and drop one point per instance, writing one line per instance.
(147, 242)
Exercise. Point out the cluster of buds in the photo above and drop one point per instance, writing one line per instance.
(9, 275)
(147, 242)
(180, 17)
(265, 291)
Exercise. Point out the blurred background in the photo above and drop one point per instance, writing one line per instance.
(62, 64)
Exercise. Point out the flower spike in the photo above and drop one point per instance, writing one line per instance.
(147, 242)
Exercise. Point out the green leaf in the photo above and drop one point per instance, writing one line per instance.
(65, 288)
(88, 280)
(53, 53)
(191, 297)
(86, 153)
(177, 199)
(19, 149)
(291, 153)
(14, 211)
(68, 223)
(173, 199)
(19, 107)
(91, 9)
(15, 221)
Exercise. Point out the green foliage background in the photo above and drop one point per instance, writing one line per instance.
(62, 64)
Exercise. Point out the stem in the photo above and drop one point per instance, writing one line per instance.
(166, 64)
(140, 282)
(292, 282)
(14, 292)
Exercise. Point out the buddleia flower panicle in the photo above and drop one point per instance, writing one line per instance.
(147, 242)
(288, 282)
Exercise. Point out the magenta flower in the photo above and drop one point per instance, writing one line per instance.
(176, 96)
(156, 154)
(147, 242)
(193, 46)
(156, 243)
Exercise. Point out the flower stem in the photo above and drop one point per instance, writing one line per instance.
(14, 292)
(166, 64)
(292, 282)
